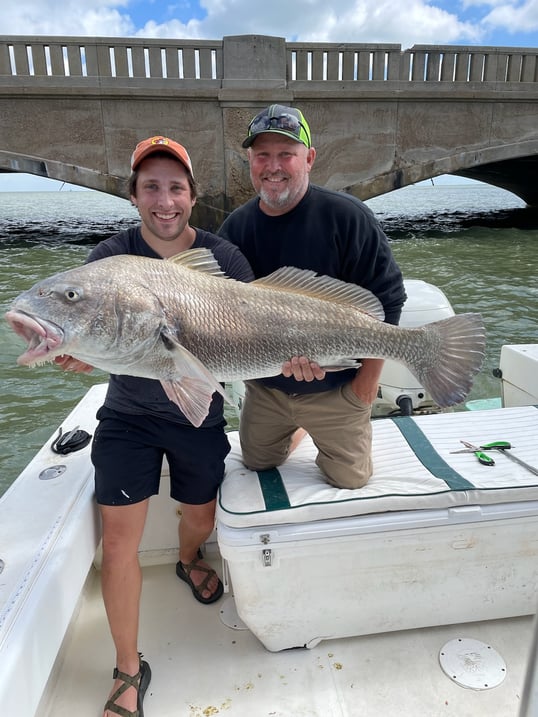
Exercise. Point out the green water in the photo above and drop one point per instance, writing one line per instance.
(476, 243)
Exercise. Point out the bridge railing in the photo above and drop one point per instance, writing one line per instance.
(96, 57)
(421, 63)
(187, 60)
(473, 64)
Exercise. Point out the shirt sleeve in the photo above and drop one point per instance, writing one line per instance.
(368, 261)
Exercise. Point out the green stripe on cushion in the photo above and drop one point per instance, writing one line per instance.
(274, 492)
(428, 456)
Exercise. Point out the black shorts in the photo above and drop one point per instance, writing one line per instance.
(127, 453)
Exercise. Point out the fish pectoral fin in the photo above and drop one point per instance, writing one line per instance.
(343, 365)
(194, 386)
(192, 396)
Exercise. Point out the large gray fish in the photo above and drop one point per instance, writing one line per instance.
(182, 322)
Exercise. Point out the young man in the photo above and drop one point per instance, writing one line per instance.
(295, 223)
(138, 425)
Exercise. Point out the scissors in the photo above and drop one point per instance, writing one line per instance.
(481, 456)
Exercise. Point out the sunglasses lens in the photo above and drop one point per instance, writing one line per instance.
(285, 122)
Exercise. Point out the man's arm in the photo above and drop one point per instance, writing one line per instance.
(366, 382)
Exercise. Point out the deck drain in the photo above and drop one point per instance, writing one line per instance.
(473, 664)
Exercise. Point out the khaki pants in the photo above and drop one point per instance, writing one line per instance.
(337, 421)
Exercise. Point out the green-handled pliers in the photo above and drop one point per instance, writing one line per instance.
(504, 447)
(481, 456)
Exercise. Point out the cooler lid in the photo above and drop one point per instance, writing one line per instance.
(414, 469)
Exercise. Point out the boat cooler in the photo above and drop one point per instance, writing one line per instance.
(434, 538)
(519, 372)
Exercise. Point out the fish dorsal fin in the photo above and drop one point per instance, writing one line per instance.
(308, 283)
(198, 260)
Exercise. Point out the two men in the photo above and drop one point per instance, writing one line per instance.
(291, 222)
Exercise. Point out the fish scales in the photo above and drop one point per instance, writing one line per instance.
(180, 321)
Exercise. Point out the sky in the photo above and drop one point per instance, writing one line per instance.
(512, 23)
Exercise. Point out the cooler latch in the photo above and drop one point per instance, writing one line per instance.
(267, 554)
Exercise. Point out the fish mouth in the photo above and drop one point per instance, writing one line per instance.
(43, 338)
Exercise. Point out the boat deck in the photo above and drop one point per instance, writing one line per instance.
(203, 667)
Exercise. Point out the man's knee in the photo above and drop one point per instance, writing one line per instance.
(260, 457)
(345, 475)
(255, 462)
(202, 516)
(256, 458)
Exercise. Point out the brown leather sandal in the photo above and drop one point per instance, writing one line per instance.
(183, 571)
(140, 682)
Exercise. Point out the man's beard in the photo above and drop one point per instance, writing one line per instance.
(275, 201)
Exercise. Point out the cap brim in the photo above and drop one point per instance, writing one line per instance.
(250, 139)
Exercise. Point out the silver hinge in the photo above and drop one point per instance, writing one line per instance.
(267, 557)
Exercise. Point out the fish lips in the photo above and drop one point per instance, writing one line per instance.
(43, 337)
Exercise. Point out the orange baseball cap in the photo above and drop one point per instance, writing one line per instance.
(161, 144)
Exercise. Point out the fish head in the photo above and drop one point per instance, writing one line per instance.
(92, 312)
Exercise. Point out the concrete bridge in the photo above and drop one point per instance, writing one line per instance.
(72, 109)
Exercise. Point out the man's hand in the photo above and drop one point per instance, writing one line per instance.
(301, 369)
(68, 363)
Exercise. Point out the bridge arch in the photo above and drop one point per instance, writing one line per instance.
(63, 172)
(513, 167)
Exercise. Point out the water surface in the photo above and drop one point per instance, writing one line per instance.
(476, 243)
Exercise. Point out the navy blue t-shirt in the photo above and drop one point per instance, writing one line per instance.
(132, 394)
(331, 233)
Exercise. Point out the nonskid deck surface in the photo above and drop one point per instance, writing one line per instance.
(202, 667)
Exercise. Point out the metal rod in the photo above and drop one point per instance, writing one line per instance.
(514, 458)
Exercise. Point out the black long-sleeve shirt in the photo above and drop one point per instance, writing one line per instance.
(331, 233)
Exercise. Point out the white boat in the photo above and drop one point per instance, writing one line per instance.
(412, 596)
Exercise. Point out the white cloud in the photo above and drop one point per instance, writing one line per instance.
(172, 29)
(406, 23)
(514, 17)
(66, 17)
(412, 22)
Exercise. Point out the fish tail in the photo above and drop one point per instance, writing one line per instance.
(457, 347)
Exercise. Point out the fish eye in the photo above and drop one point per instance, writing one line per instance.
(71, 294)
